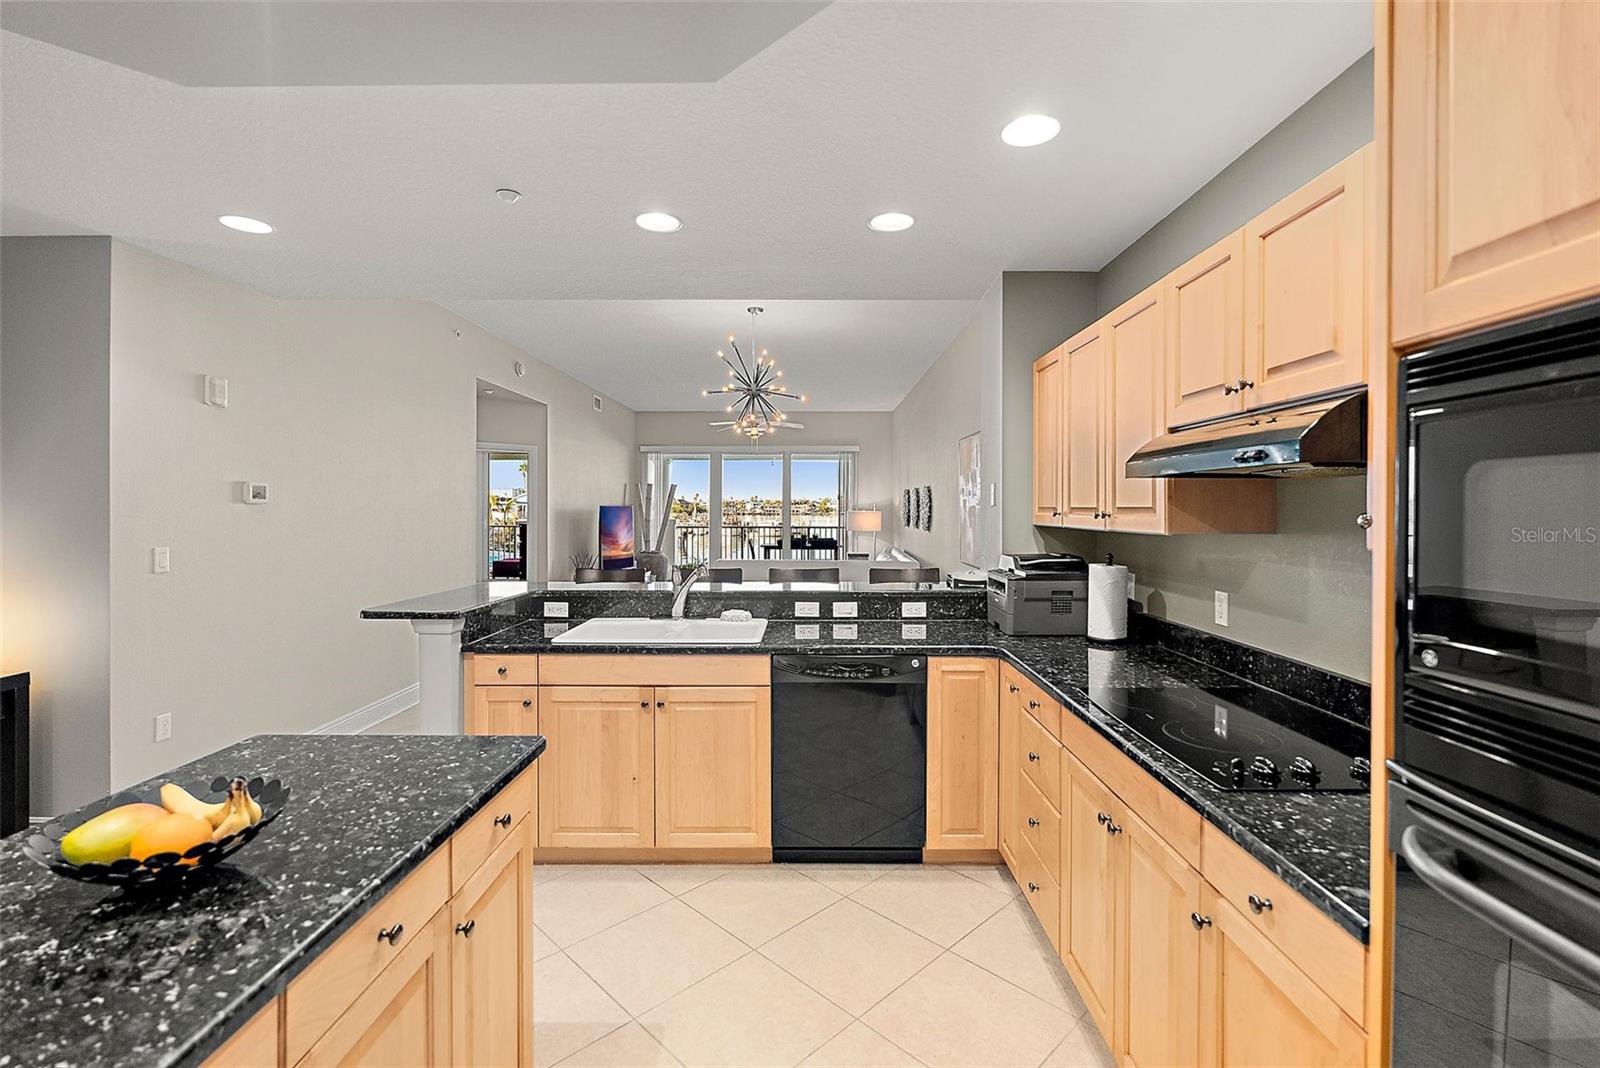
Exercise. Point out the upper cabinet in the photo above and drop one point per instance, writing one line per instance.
(1306, 262)
(1205, 333)
(1083, 466)
(1048, 373)
(1494, 159)
(1135, 334)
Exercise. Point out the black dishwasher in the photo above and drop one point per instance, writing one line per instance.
(849, 758)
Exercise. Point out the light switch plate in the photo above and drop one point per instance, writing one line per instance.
(913, 609)
(913, 630)
(160, 560)
(555, 610)
(844, 630)
(808, 630)
(552, 629)
(807, 610)
(216, 391)
(844, 610)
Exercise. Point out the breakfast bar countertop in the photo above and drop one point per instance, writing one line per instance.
(93, 975)
(1316, 842)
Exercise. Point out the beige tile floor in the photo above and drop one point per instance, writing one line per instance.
(859, 966)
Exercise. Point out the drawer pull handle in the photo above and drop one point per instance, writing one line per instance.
(1101, 818)
(1112, 828)
(661, 704)
(527, 704)
(391, 935)
(1033, 757)
(1258, 905)
(1033, 888)
(644, 704)
(1032, 822)
(501, 670)
(1200, 922)
(503, 820)
(1012, 688)
(465, 929)
(1033, 704)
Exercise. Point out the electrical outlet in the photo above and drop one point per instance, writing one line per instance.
(913, 609)
(806, 610)
(1222, 609)
(807, 631)
(160, 560)
(555, 610)
(164, 727)
(913, 630)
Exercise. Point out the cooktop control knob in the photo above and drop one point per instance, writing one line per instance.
(1304, 771)
(1231, 769)
(1264, 771)
(1361, 770)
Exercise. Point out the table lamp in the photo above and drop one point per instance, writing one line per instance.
(867, 520)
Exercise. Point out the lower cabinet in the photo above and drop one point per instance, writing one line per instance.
(1158, 953)
(1257, 1009)
(1010, 712)
(713, 747)
(963, 753)
(428, 977)
(1089, 892)
(597, 779)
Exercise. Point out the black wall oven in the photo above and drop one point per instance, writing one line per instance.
(1495, 786)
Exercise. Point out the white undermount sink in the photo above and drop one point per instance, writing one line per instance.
(632, 631)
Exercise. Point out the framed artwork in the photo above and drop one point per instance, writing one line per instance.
(969, 495)
(927, 507)
(905, 509)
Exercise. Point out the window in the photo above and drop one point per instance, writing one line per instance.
(503, 551)
(755, 504)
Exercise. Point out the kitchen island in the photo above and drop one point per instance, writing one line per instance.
(273, 945)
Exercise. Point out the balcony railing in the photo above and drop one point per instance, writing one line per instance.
(760, 541)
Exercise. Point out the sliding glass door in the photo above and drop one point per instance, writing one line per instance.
(753, 507)
(816, 495)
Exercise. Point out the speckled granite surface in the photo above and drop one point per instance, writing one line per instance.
(91, 976)
(1317, 843)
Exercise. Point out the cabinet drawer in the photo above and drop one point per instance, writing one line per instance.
(1042, 892)
(1332, 959)
(1041, 826)
(319, 995)
(1032, 699)
(478, 837)
(510, 670)
(1040, 758)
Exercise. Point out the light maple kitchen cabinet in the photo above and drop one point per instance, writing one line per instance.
(1158, 954)
(1049, 372)
(504, 710)
(1114, 378)
(257, 1044)
(1494, 154)
(1307, 262)
(491, 958)
(1257, 1010)
(1091, 889)
(597, 785)
(713, 781)
(1011, 698)
(963, 753)
(1205, 334)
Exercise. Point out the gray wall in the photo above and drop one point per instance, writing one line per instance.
(55, 508)
(1320, 133)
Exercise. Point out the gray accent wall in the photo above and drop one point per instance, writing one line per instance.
(55, 506)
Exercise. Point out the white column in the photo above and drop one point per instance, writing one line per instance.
(439, 679)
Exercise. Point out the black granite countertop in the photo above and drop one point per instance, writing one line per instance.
(94, 976)
(1317, 843)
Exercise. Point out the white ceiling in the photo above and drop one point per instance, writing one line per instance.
(775, 165)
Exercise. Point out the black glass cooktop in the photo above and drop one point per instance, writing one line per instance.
(1244, 737)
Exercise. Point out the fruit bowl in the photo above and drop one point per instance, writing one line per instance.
(44, 845)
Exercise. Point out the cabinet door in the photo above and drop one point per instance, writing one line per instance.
(597, 778)
(256, 1044)
(1257, 1010)
(1136, 340)
(1084, 465)
(1205, 334)
(1048, 374)
(1091, 891)
(1158, 990)
(1011, 699)
(402, 1019)
(1495, 158)
(504, 710)
(714, 766)
(1305, 296)
(491, 959)
(963, 753)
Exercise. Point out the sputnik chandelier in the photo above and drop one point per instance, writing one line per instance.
(753, 390)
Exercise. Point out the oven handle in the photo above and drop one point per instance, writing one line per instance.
(1450, 884)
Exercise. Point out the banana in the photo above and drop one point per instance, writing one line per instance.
(238, 816)
(255, 809)
(175, 798)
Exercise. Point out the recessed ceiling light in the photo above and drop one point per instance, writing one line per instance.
(510, 196)
(890, 222)
(245, 223)
(1029, 130)
(658, 222)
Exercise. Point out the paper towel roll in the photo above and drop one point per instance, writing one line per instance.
(1108, 602)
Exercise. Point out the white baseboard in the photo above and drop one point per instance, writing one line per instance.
(369, 716)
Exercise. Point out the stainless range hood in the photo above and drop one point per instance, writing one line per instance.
(1328, 437)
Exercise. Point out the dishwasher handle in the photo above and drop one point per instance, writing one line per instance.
(872, 670)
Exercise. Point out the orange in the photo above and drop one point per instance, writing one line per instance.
(172, 833)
